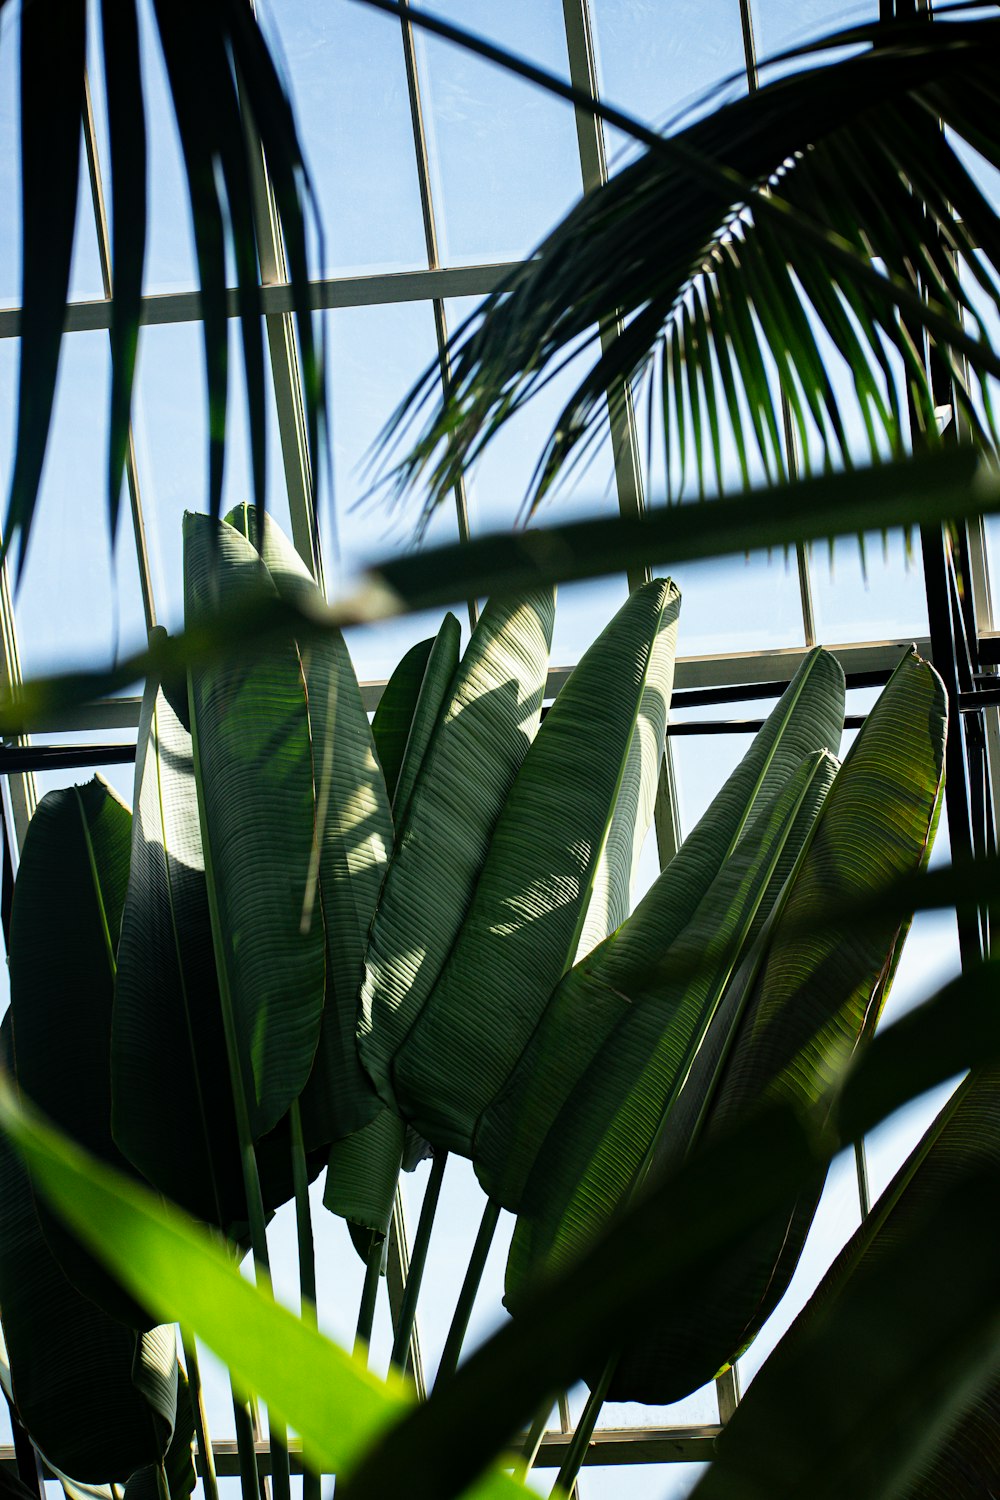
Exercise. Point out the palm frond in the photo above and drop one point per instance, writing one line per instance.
(829, 207)
(229, 104)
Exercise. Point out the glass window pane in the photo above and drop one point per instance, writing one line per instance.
(376, 354)
(344, 67)
(172, 448)
(503, 153)
(76, 605)
(657, 61)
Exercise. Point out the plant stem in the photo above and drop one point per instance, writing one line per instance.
(565, 1425)
(470, 1286)
(208, 1477)
(573, 1462)
(280, 1476)
(529, 1452)
(369, 1295)
(311, 1488)
(303, 1219)
(418, 1259)
(246, 1448)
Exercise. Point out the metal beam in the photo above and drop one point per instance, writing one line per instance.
(328, 292)
(609, 1445)
(728, 669)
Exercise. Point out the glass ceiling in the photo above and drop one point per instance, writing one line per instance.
(417, 208)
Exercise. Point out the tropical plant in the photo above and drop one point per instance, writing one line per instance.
(783, 211)
(276, 891)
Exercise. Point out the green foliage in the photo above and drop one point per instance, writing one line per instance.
(505, 1001)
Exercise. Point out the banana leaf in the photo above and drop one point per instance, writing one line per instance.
(584, 1007)
(350, 814)
(816, 998)
(889, 1306)
(490, 718)
(530, 904)
(438, 678)
(179, 1472)
(168, 1050)
(71, 879)
(96, 1397)
(254, 773)
(600, 1145)
(394, 714)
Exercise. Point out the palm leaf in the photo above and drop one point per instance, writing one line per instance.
(73, 1367)
(127, 150)
(489, 719)
(766, 217)
(920, 1242)
(73, 872)
(53, 48)
(807, 718)
(209, 49)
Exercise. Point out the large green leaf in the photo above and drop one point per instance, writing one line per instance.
(818, 994)
(168, 1051)
(430, 705)
(328, 1395)
(490, 718)
(353, 833)
(527, 914)
(600, 1145)
(254, 771)
(96, 1397)
(577, 1020)
(904, 1285)
(71, 881)
(394, 714)
(655, 1248)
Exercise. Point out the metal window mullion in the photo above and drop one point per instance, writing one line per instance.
(594, 172)
(326, 293)
(396, 1271)
(286, 373)
(104, 255)
(791, 451)
(433, 261)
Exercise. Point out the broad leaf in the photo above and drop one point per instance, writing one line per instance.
(351, 824)
(331, 1398)
(807, 718)
(652, 1252)
(254, 771)
(430, 705)
(918, 1283)
(394, 714)
(600, 1146)
(168, 1050)
(96, 1397)
(818, 994)
(71, 879)
(526, 917)
(490, 718)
